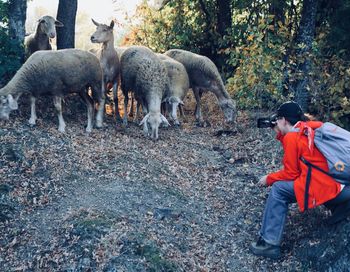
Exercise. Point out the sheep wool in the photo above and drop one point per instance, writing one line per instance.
(57, 73)
(178, 85)
(204, 75)
(144, 73)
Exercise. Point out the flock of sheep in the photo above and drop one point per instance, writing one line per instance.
(158, 82)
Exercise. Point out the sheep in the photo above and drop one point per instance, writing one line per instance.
(144, 73)
(40, 39)
(204, 75)
(178, 85)
(55, 73)
(120, 50)
(109, 59)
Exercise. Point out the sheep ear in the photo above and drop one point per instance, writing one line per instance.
(12, 102)
(144, 120)
(95, 23)
(58, 24)
(164, 120)
(112, 24)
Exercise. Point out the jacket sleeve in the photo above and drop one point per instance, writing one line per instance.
(290, 161)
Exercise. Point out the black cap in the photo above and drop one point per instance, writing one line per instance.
(290, 109)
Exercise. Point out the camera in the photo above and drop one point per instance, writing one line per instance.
(267, 122)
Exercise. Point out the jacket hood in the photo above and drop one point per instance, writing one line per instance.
(308, 129)
(311, 124)
(305, 128)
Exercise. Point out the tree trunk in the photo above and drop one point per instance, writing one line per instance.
(224, 16)
(206, 49)
(277, 8)
(67, 10)
(17, 20)
(304, 41)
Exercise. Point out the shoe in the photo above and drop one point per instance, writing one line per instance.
(340, 212)
(264, 249)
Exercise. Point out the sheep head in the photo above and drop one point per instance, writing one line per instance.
(172, 104)
(48, 24)
(152, 122)
(103, 33)
(7, 104)
(228, 106)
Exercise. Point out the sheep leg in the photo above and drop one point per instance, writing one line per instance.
(198, 112)
(125, 117)
(145, 129)
(174, 114)
(57, 101)
(166, 109)
(163, 108)
(137, 111)
(137, 115)
(169, 110)
(101, 107)
(144, 107)
(116, 103)
(33, 117)
(181, 109)
(90, 109)
(131, 111)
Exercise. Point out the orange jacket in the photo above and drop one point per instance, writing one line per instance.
(296, 145)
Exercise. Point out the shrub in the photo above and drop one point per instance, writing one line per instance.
(258, 79)
(330, 96)
(10, 49)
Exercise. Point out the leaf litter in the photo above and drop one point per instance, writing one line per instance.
(113, 200)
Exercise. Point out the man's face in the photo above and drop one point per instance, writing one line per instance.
(281, 125)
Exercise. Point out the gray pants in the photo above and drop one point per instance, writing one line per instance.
(276, 209)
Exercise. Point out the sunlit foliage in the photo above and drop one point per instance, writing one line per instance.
(258, 79)
(177, 25)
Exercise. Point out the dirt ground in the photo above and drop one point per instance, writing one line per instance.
(113, 200)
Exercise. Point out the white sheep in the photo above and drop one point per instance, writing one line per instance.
(120, 50)
(145, 74)
(109, 60)
(204, 76)
(55, 73)
(178, 85)
(40, 39)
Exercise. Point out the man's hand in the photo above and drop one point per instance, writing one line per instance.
(263, 181)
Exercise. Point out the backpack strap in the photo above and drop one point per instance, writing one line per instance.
(307, 185)
(308, 179)
(309, 164)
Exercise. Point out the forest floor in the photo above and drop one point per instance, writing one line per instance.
(113, 200)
